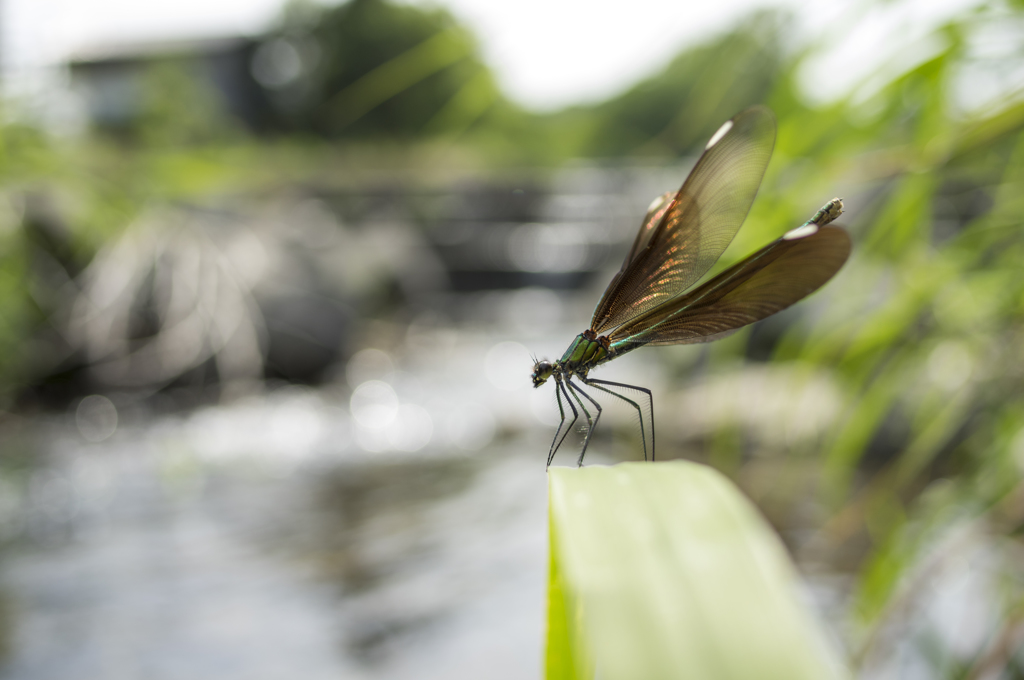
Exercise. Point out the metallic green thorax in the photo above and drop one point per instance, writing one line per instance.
(585, 352)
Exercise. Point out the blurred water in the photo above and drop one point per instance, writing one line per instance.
(140, 558)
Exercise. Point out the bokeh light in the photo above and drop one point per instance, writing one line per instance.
(96, 417)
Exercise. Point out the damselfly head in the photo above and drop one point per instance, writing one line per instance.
(541, 372)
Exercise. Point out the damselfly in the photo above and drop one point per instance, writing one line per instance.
(682, 236)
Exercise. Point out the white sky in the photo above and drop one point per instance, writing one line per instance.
(546, 53)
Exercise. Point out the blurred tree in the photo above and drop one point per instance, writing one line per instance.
(372, 69)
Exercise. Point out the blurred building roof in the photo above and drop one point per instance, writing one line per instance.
(106, 52)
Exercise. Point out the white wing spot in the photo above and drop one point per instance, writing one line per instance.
(802, 231)
(717, 137)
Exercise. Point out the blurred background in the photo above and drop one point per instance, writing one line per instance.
(271, 275)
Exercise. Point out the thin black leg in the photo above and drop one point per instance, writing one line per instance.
(574, 389)
(643, 433)
(556, 442)
(650, 401)
(590, 419)
(561, 422)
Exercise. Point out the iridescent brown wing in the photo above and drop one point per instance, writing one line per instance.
(655, 212)
(680, 240)
(773, 278)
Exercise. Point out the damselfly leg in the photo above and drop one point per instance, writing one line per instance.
(591, 423)
(557, 442)
(594, 382)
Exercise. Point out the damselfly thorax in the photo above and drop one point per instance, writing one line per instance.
(586, 352)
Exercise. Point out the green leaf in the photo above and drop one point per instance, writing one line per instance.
(667, 571)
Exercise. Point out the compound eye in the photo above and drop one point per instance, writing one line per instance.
(541, 372)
